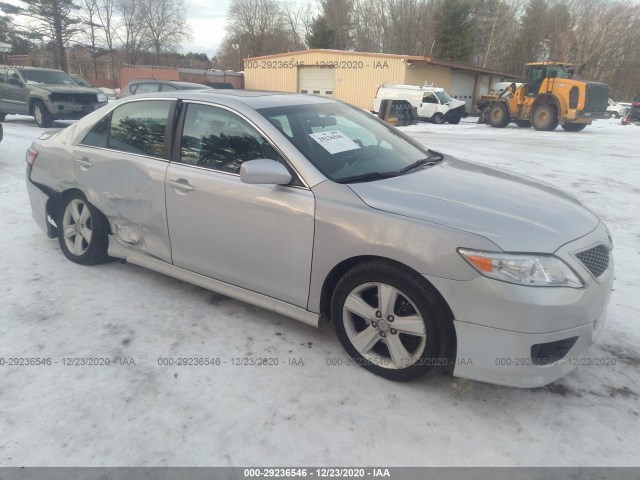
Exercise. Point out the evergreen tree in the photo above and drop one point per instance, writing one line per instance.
(321, 35)
(51, 20)
(454, 30)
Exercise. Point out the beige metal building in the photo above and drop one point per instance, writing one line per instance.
(354, 77)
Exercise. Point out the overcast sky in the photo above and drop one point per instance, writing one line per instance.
(206, 18)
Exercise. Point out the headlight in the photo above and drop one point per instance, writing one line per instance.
(523, 269)
(102, 97)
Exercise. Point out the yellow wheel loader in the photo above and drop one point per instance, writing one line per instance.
(550, 97)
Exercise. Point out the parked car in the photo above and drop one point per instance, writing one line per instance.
(634, 111)
(433, 104)
(147, 85)
(45, 94)
(616, 109)
(312, 208)
(109, 92)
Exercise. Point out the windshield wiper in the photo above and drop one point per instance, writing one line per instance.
(438, 157)
(367, 177)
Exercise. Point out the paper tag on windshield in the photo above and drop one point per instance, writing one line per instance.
(334, 141)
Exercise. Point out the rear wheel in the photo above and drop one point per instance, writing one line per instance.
(545, 118)
(43, 118)
(499, 115)
(82, 230)
(574, 127)
(438, 118)
(389, 320)
(523, 123)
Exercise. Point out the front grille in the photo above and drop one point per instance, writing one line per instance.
(78, 98)
(597, 97)
(596, 259)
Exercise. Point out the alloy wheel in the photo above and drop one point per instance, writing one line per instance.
(77, 227)
(384, 325)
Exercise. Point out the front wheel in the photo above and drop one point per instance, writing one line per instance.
(438, 118)
(44, 119)
(389, 320)
(82, 231)
(499, 115)
(574, 127)
(545, 118)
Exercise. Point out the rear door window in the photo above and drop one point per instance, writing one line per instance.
(147, 88)
(136, 127)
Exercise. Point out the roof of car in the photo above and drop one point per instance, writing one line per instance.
(255, 99)
(175, 83)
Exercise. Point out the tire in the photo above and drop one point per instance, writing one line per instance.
(44, 119)
(376, 337)
(438, 118)
(499, 115)
(82, 230)
(454, 120)
(2, 116)
(545, 118)
(574, 127)
(523, 123)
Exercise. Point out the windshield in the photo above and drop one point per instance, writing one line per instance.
(82, 82)
(344, 142)
(47, 77)
(444, 97)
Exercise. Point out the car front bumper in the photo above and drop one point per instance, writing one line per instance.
(499, 326)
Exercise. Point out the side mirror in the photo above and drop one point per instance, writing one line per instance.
(15, 81)
(265, 172)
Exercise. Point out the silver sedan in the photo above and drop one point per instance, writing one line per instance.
(314, 209)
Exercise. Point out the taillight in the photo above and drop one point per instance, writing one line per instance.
(31, 156)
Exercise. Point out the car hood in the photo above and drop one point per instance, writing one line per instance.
(68, 89)
(515, 212)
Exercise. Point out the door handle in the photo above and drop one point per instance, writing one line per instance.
(84, 162)
(180, 184)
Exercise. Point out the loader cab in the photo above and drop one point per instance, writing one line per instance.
(536, 73)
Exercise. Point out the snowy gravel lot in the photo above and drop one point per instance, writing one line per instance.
(311, 414)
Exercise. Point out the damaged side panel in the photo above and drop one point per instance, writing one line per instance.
(129, 190)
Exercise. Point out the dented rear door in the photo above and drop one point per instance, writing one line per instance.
(121, 165)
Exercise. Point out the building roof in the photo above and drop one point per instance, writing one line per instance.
(407, 58)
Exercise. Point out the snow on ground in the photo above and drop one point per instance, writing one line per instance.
(151, 415)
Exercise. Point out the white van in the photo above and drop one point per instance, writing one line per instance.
(433, 103)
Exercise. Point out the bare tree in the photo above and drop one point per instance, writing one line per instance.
(298, 17)
(132, 31)
(167, 27)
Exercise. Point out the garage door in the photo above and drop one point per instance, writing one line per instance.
(317, 80)
(462, 88)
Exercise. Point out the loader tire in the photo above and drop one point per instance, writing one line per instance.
(545, 118)
(499, 115)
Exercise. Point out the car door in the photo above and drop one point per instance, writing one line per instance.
(258, 237)
(15, 93)
(429, 105)
(121, 166)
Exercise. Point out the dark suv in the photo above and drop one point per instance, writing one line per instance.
(150, 85)
(45, 94)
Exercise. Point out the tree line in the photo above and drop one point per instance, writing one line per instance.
(128, 29)
(599, 37)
